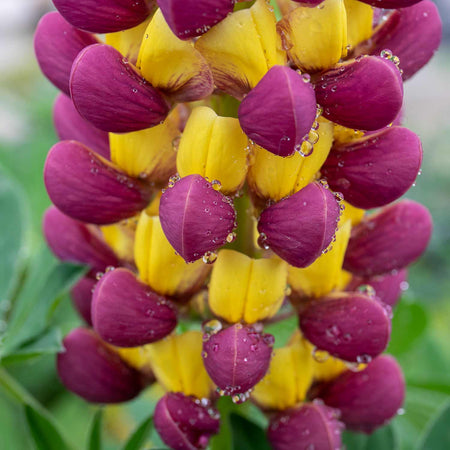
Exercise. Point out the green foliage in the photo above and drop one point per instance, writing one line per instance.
(437, 434)
(383, 438)
(138, 439)
(95, 435)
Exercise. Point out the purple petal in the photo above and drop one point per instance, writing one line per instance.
(365, 94)
(352, 326)
(279, 111)
(412, 34)
(87, 187)
(127, 313)
(376, 169)
(309, 2)
(56, 45)
(90, 369)
(108, 91)
(389, 240)
(69, 125)
(370, 398)
(237, 358)
(81, 295)
(185, 423)
(391, 4)
(104, 16)
(309, 426)
(388, 288)
(73, 241)
(299, 228)
(190, 18)
(195, 218)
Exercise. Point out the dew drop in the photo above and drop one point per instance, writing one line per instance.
(262, 241)
(367, 289)
(319, 356)
(216, 185)
(231, 237)
(212, 326)
(173, 180)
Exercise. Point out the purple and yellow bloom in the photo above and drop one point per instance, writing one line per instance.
(214, 171)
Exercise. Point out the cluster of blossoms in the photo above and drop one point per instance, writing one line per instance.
(215, 168)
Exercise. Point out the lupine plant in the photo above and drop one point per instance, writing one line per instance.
(225, 166)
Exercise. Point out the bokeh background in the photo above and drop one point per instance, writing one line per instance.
(421, 332)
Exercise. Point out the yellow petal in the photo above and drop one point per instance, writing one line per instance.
(355, 215)
(328, 369)
(324, 274)
(343, 135)
(274, 177)
(172, 65)
(242, 48)
(136, 357)
(153, 208)
(120, 237)
(159, 266)
(315, 38)
(289, 376)
(359, 21)
(246, 289)
(178, 365)
(215, 148)
(149, 153)
(128, 41)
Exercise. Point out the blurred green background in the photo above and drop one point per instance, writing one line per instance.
(29, 274)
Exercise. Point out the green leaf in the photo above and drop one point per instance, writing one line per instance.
(383, 438)
(139, 437)
(246, 435)
(43, 432)
(40, 296)
(13, 220)
(95, 435)
(48, 342)
(437, 434)
(408, 324)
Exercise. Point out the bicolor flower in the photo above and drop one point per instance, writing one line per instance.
(229, 157)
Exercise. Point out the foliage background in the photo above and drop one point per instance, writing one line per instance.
(35, 307)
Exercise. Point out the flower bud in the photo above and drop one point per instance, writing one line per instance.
(370, 398)
(237, 358)
(365, 94)
(292, 106)
(127, 313)
(299, 228)
(69, 125)
(388, 288)
(104, 16)
(73, 241)
(90, 369)
(190, 18)
(411, 34)
(108, 91)
(185, 422)
(81, 295)
(56, 44)
(391, 4)
(195, 218)
(309, 426)
(353, 327)
(89, 188)
(388, 240)
(376, 169)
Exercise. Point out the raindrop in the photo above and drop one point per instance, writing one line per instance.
(319, 356)
(363, 359)
(231, 237)
(367, 289)
(209, 257)
(216, 185)
(262, 241)
(173, 180)
(212, 326)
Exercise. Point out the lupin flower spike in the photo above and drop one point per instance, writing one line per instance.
(295, 132)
